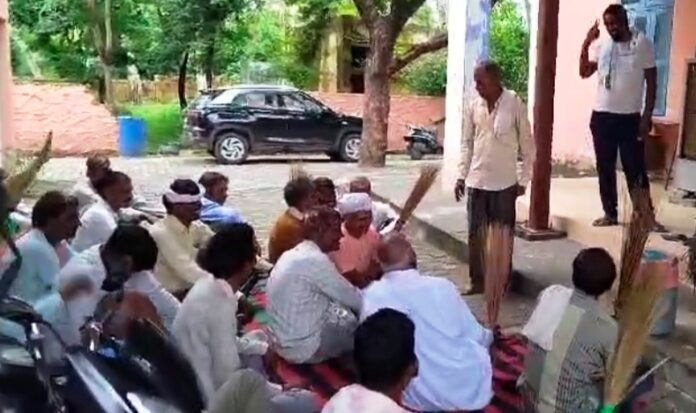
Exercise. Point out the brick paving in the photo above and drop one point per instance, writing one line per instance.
(256, 190)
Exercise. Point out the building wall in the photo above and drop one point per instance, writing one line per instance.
(79, 123)
(575, 96)
(683, 47)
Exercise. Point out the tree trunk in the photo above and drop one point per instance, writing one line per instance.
(183, 67)
(107, 54)
(376, 100)
(108, 84)
(208, 63)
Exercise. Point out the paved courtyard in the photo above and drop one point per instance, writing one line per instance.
(256, 190)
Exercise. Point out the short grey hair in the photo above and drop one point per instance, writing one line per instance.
(490, 67)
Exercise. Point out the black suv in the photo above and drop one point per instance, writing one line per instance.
(241, 120)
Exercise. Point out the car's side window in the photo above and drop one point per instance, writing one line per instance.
(292, 103)
(257, 100)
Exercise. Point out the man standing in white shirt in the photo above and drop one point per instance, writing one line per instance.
(621, 119)
(496, 163)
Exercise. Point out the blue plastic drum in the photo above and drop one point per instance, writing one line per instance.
(132, 139)
(667, 305)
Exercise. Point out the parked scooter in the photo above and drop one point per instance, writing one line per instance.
(421, 141)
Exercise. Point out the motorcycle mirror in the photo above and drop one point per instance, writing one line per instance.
(18, 311)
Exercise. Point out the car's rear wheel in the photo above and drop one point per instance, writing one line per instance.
(417, 150)
(231, 149)
(350, 148)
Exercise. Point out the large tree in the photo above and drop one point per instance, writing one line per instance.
(385, 19)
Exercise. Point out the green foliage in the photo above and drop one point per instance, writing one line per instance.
(163, 122)
(509, 42)
(427, 75)
(509, 46)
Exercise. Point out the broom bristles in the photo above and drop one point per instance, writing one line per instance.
(426, 179)
(637, 317)
(497, 260)
(634, 239)
(297, 171)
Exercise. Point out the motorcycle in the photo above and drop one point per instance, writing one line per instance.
(421, 141)
(142, 373)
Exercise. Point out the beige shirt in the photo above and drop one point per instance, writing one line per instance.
(178, 246)
(497, 146)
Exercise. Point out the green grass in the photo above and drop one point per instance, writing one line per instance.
(163, 122)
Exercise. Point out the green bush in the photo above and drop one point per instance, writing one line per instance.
(509, 47)
(427, 75)
(163, 122)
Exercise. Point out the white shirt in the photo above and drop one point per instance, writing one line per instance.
(303, 285)
(206, 331)
(89, 264)
(454, 366)
(497, 147)
(97, 224)
(358, 399)
(622, 65)
(178, 246)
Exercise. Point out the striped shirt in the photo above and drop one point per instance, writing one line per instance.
(302, 287)
(569, 377)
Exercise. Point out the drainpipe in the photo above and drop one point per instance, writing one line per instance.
(6, 129)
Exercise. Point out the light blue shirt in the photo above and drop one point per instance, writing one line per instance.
(40, 266)
(454, 366)
(216, 214)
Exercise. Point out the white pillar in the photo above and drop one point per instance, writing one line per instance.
(533, 23)
(467, 28)
(6, 130)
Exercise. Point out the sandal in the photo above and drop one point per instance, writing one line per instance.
(605, 221)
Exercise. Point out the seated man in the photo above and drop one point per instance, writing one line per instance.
(100, 219)
(213, 209)
(567, 374)
(86, 192)
(287, 230)
(454, 366)
(311, 306)
(131, 253)
(206, 327)
(385, 359)
(179, 236)
(356, 259)
(44, 248)
(384, 218)
(325, 194)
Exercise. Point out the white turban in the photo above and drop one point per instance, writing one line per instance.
(354, 202)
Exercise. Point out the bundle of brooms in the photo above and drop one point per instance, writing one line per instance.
(497, 261)
(635, 323)
(635, 237)
(426, 179)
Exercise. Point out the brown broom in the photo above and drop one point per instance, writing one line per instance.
(426, 179)
(497, 260)
(297, 171)
(639, 312)
(634, 239)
